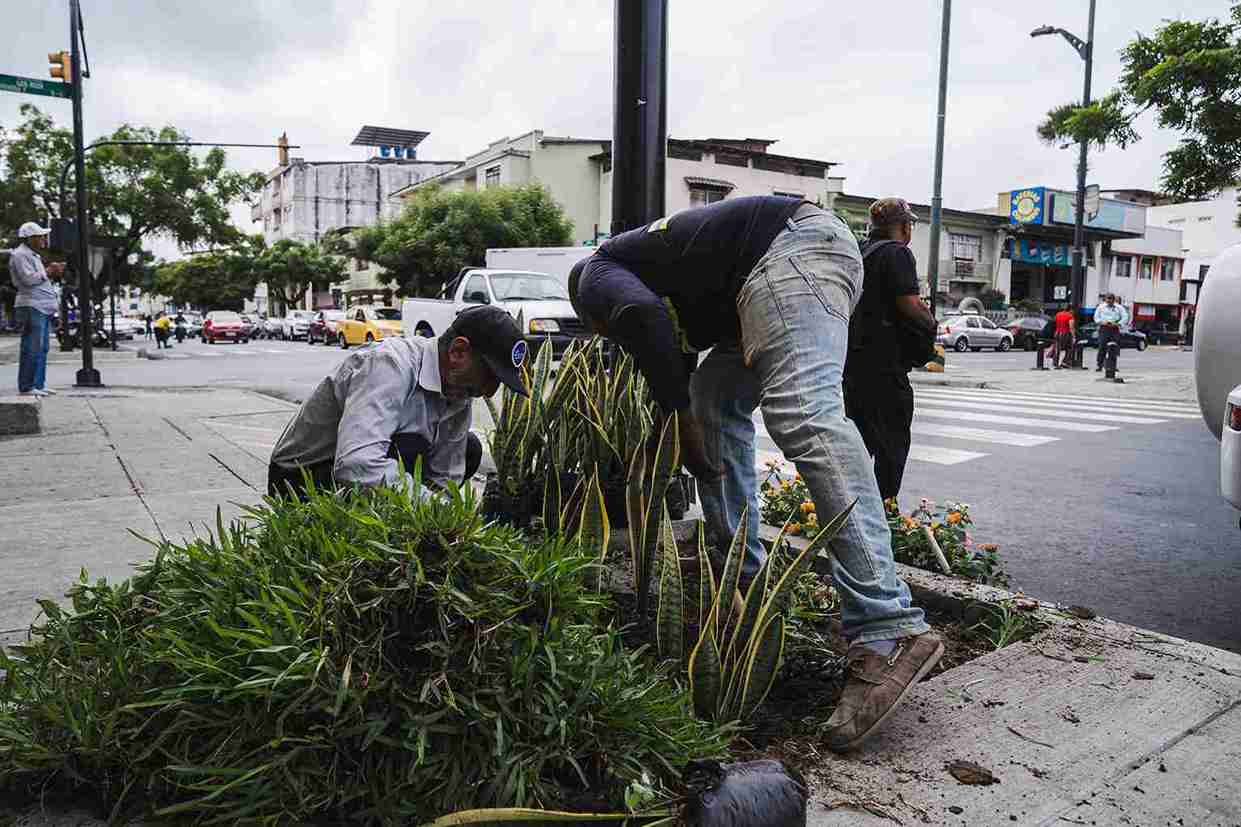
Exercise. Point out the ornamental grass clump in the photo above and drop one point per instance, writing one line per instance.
(353, 657)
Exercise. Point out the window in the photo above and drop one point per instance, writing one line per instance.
(701, 196)
(971, 321)
(987, 323)
(778, 193)
(683, 153)
(492, 177)
(1202, 271)
(516, 287)
(1146, 269)
(359, 264)
(1167, 269)
(475, 290)
(965, 247)
(1205, 217)
(1124, 268)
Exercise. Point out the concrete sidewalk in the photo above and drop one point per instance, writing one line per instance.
(1141, 383)
(1090, 722)
(110, 462)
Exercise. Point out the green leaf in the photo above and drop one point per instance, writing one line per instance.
(762, 666)
(670, 613)
(551, 502)
(706, 577)
(594, 531)
(704, 676)
(722, 608)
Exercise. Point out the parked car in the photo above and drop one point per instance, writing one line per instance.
(1027, 330)
(1128, 336)
(296, 324)
(126, 328)
(249, 324)
(270, 327)
(193, 322)
(323, 326)
(1161, 333)
(223, 325)
(970, 331)
(368, 324)
(541, 299)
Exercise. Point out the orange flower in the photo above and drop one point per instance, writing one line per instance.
(794, 528)
(807, 508)
(954, 517)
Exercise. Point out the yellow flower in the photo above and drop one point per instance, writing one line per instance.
(785, 484)
(794, 528)
(935, 526)
(807, 508)
(910, 523)
(954, 517)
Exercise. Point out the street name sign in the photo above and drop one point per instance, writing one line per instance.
(33, 86)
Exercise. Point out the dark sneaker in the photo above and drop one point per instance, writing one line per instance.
(876, 685)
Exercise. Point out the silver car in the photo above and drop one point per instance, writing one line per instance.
(970, 331)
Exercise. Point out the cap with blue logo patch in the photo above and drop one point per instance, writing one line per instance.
(496, 337)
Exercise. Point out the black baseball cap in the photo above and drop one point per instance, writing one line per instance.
(497, 339)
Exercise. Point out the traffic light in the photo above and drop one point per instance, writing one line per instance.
(62, 67)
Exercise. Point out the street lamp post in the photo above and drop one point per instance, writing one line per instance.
(1085, 50)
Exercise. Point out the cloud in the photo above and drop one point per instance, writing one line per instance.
(854, 84)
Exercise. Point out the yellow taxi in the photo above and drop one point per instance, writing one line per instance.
(367, 324)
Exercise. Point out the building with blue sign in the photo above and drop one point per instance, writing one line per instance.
(1039, 243)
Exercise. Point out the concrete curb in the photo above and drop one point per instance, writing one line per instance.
(20, 415)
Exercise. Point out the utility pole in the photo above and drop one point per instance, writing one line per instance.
(87, 376)
(1079, 220)
(640, 116)
(937, 199)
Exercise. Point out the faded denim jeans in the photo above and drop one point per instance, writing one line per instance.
(794, 310)
(32, 360)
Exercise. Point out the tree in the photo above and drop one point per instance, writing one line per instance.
(1189, 73)
(290, 268)
(133, 192)
(218, 280)
(440, 232)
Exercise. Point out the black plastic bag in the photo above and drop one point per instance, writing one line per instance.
(748, 794)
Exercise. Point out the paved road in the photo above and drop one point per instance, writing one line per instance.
(1106, 504)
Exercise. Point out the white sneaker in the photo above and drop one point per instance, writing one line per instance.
(39, 392)
(48, 391)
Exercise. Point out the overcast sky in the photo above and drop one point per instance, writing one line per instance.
(850, 83)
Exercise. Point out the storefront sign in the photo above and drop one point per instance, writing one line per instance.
(1034, 251)
(1112, 215)
(1026, 206)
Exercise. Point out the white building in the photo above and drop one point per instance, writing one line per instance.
(1145, 274)
(305, 200)
(578, 174)
(1207, 229)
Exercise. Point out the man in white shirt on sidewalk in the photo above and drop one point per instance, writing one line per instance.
(1110, 317)
(36, 303)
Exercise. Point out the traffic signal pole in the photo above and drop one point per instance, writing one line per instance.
(87, 376)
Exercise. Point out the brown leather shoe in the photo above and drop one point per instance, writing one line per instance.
(876, 685)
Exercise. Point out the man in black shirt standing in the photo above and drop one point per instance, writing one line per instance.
(767, 284)
(878, 397)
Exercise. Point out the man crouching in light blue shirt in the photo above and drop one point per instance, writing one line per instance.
(34, 307)
(401, 399)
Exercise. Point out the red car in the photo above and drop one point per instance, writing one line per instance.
(323, 326)
(224, 325)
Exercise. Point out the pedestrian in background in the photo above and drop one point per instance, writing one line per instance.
(878, 396)
(147, 317)
(34, 307)
(1110, 317)
(1066, 331)
(162, 327)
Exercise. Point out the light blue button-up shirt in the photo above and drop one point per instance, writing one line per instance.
(1111, 314)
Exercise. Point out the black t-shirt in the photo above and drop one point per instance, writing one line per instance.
(671, 287)
(890, 271)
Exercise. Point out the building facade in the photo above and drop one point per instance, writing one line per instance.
(971, 248)
(578, 174)
(306, 200)
(1207, 229)
(1145, 274)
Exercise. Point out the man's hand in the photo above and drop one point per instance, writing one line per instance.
(694, 450)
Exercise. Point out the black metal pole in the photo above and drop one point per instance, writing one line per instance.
(88, 376)
(1078, 285)
(112, 295)
(640, 127)
(937, 196)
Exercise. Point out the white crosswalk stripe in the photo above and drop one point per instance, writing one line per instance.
(996, 419)
(1044, 410)
(1169, 404)
(981, 435)
(1064, 404)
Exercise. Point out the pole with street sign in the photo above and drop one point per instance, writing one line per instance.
(33, 86)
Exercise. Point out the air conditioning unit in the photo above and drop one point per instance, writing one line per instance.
(962, 267)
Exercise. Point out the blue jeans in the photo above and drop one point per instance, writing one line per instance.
(32, 368)
(794, 309)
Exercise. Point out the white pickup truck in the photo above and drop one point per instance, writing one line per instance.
(1217, 364)
(541, 300)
